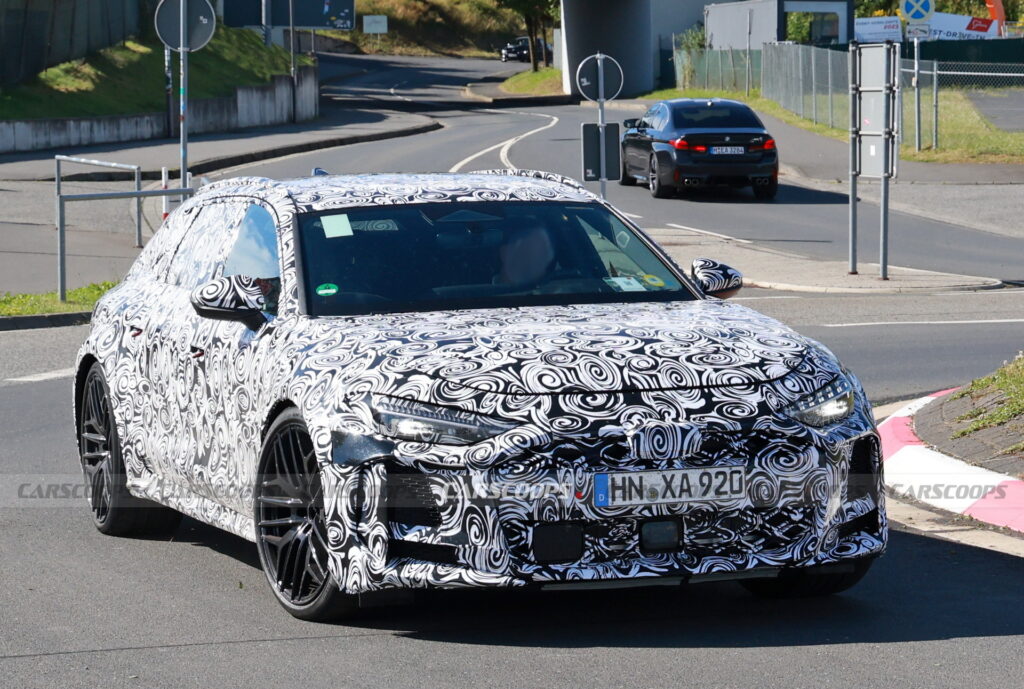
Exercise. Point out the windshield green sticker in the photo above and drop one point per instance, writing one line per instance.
(336, 226)
(328, 289)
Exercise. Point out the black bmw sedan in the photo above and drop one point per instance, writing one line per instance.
(685, 143)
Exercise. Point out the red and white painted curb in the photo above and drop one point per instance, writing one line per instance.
(915, 470)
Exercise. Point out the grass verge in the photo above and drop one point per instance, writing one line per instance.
(466, 28)
(544, 82)
(1008, 382)
(129, 78)
(965, 135)
(80, 299)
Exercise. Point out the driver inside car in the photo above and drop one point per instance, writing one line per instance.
(526, 255)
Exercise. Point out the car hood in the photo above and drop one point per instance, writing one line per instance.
(574, 349)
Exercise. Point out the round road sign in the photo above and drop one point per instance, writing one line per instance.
(200, 22)
(588, 77)
(917, 11)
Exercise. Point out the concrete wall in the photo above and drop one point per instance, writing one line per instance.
(251, 106)
(726, 24)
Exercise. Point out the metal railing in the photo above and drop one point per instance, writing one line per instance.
(138, 194)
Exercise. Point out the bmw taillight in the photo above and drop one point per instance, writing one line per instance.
(768, 145)
(683, 145)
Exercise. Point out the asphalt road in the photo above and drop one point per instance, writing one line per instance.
(1004, 107)
(82, 609)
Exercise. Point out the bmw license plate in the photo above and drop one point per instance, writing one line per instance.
(669, 487)
(728, 150)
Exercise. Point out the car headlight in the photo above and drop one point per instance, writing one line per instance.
(829, 404)
(405, 419)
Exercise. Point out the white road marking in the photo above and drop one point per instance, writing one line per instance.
(759, 298)
(396, 95)
(710, 233)
(633, 216)
(507, 143)
(37, 377)
(877, 323)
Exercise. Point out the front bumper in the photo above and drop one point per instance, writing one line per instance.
(396, 522)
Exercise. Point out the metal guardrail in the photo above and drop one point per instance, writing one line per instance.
(138, 194)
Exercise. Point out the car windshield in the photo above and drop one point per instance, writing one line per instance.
(421, 257)
(716, 115)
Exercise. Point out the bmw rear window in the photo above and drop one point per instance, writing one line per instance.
(703, 116)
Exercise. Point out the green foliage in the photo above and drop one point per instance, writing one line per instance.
(1009, 382)
(692, 39)
(973, 8)
(129, 78)
(544, 82)
(468, 28)
(80, 299)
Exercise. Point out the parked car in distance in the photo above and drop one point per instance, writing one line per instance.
(687, 143)
(519, 50)
(491, 379)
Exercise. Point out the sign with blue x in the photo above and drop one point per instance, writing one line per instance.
(917, 10)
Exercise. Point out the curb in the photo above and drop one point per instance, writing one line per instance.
(518, 101)
(915, 470)
(44, 320)
(990, 283)
(213, 164)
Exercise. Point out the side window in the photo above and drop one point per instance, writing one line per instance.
(254, 254)
(648, 118)
(661, 119)
(202, 249)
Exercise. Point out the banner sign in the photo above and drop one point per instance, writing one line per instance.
(877, 29)
(958, 27)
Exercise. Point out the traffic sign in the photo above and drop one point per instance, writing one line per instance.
(200, 23)
(375, 23)
(917, 11)
(588, 78)
(594, 148)
(919, 30)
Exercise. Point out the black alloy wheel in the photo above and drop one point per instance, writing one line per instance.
(291, 533)
(115, 511)
(658, 190)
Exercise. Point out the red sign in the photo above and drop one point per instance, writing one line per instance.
(979, 24)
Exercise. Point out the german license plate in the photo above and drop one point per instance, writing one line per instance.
(728, 150)
(669, 487)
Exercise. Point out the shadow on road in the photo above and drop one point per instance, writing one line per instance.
(789, 194)
(922, 589)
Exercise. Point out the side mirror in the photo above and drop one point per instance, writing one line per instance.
(630, 123)
(716, 279)
(233, 298)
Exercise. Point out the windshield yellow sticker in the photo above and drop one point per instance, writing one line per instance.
(653, 280)
(336, 226)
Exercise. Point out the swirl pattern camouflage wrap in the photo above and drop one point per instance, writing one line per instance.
(585, 390)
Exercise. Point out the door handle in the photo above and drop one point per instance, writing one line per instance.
(196, 352)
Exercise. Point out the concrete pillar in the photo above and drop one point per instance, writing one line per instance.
(620, 28)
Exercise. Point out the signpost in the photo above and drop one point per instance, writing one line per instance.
(874, 112)
(184, 26)
(596, 77)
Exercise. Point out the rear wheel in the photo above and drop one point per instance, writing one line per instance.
(658, 190)
(291, 534)
(808, 583)
(626, 179)
(115, 511)
(766, 192)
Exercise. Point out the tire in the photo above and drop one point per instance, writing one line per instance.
(289, 514)
(766, 192)
(658, 190)
(626, 180)
(115, 511)
(808, 583)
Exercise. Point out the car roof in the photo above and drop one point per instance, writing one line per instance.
(326, 192)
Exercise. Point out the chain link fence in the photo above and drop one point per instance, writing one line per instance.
(814, 83)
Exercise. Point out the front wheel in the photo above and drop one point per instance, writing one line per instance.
(291, 534)
(658, 190)
(809, 583)
(626, 179)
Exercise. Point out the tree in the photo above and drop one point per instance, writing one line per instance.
(536, 14)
